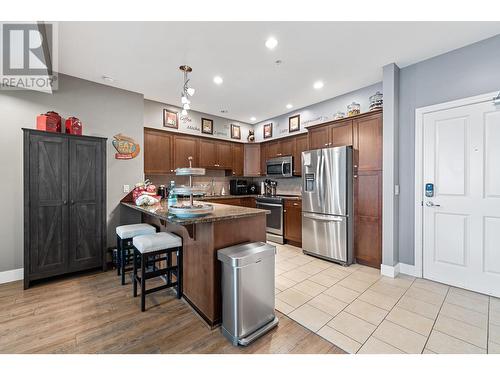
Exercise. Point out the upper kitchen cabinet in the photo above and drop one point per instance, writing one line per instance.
(301, 144)
(273, 149)
(368, 142)
(215, 154)
(263, 157)
(207, 151)
(252, 159)
(238, 159)
(224, 155)
(286, 146)
(185, 147)
(341, 134)
(158, 152)
(319, 137)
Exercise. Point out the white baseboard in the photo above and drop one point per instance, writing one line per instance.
(11, 275)
(408, 269)
(389, 271)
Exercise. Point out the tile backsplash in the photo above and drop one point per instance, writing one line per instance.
(286, 186)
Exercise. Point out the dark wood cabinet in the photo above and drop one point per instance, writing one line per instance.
(301, 144)
(368, 142)
(341, 134)
(252, 159)
(273, 149)
(238, 159)
(224, 155)
(293, 221)
(319, 137)
(286, 146)
(185, 147)
(263, 158)
(64, 204)
(158, 152)
(367, 145)
(207, 151)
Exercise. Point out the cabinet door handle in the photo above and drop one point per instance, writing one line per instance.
(295, 204)
(65, 202)
(284, 210)
(72, 202)
(355, 176)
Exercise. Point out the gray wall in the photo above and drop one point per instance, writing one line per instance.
(153, 118)
(468, 71)
(319, 112)
(104, 111)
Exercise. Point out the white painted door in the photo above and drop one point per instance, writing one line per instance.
(461, 223)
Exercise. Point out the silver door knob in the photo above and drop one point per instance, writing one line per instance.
(431, 204)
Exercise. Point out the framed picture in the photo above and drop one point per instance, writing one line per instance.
(235, 131)
(268, 130)
(207, 126)
(170, 119)
(294, 123)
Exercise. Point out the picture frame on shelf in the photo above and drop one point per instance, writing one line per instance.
(268, 130)
(294, 123)
(170, 119)
(207, 126)
(235, 131)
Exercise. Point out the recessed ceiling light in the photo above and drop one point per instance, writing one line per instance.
(218, 80)
(252, 119)
(108, 79)
(318, 85)
(271, 43)
(289, 106)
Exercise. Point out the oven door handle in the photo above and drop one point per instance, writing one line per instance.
(283, 168)
(269, 204)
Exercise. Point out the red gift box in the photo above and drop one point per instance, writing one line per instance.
(49, 122)
(73, 126)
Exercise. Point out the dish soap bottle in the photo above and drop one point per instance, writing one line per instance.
(172, 197)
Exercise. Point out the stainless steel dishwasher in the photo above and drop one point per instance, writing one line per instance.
(247, 291)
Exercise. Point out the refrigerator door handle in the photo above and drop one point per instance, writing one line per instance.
(322, 217)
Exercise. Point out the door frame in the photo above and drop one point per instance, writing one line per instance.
(419, 167)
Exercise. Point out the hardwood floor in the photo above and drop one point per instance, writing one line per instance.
(93, 313)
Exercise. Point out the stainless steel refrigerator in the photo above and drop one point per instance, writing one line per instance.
(327, 208)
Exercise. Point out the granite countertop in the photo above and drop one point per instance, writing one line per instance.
(220, 212)
(213, 197)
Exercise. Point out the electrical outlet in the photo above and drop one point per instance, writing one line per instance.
(126, 188)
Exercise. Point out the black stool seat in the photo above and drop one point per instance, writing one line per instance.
(153, 249)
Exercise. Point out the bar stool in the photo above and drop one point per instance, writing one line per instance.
(124, 246)
(153, 248)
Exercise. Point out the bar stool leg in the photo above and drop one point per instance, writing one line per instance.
(135, 273)
(179, 272)
(169, 264)
(118, 258)
(124, 255)
(143, 282)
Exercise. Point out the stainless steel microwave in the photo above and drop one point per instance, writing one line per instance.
(280, 167)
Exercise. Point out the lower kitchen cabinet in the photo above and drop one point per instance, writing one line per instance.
(64, 204)
(293, 221)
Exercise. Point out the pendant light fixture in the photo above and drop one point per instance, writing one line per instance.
(187, 91)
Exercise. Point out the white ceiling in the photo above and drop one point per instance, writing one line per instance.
(145, 56)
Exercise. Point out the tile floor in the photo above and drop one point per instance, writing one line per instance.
(361, 311)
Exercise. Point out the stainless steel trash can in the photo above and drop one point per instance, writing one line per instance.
(247, 291)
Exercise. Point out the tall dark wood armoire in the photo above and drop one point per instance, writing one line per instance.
(64, 204)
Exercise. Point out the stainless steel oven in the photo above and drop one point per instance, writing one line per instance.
(280, 167)
(274, 221)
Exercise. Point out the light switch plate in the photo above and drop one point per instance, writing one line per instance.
(126, 188)
(396, 189)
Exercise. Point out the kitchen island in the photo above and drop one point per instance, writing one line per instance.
(202, 237)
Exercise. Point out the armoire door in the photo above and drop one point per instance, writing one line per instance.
(48, 205)
(85, 204)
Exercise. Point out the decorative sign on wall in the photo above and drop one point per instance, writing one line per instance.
(126, 147)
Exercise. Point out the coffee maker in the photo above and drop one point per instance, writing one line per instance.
(238, 187)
